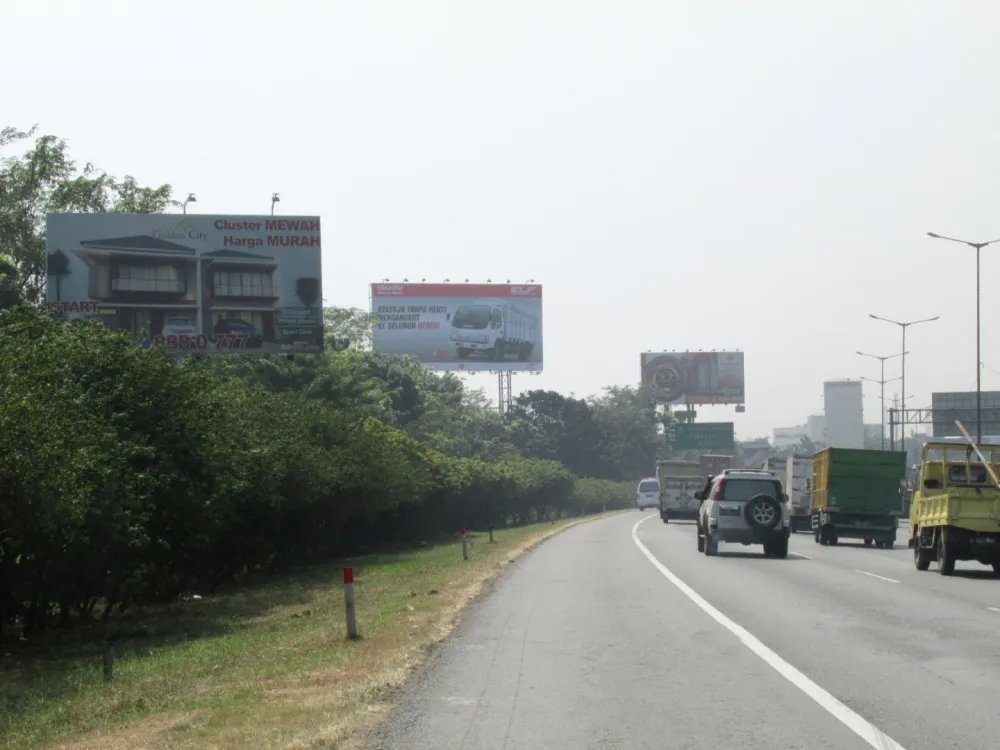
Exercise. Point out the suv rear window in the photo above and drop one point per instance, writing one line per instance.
(649, 487)
(744, 489)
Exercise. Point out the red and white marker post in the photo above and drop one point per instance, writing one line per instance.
(352, 618)
(465, 544)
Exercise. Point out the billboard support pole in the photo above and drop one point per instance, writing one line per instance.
(200, 319)
(504, 383)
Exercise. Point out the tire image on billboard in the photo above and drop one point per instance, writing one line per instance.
(470, 327)
(667, 376)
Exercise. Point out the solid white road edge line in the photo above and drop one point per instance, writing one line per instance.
(875, 575)
(856, 723)
(799, 554)
(993, 609)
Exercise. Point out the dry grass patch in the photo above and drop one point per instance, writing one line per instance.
(267, 666)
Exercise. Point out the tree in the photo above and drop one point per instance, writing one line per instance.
(44, 179)
(9, 293)
(348, 326)
(635, 434)
(546, 424)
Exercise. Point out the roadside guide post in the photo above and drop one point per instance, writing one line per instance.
(349, 606)
(465, 544)
(108, 660)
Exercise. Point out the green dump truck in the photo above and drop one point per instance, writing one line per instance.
(856, 495)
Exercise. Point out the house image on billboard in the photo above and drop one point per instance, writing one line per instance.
(146, 285)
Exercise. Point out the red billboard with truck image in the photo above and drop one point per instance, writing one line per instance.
(470, 327)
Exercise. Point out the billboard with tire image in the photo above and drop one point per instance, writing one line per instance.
(694, 378)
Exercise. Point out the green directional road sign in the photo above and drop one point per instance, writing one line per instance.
(704, 436)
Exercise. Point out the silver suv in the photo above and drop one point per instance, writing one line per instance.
(749, 507)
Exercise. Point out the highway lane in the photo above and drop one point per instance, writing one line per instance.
(972, 582)
(584, 644)
(587, 643)
(915, 653)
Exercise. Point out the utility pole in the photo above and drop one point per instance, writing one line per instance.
(979, 359)
(882, 383)
(904, 326)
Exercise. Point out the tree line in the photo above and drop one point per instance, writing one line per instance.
(128, 476)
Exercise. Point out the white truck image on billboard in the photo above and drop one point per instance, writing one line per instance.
(495, 328)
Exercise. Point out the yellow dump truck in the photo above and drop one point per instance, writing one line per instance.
(955, 511)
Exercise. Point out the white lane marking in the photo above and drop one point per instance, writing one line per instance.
(799, 554)
(993, 609)
(875, 575)
(856, 723)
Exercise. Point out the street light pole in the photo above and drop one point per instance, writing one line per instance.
(189, 199)
(904, 326)
(882, 382)
(979, 360)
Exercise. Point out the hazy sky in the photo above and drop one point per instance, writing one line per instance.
(729, 174)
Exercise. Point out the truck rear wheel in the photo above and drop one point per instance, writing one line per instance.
(922, 556)
(946, 555)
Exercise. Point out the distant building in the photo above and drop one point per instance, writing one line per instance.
(873, 435)
(816, 428)
(843, 410)
(961, 405)
(789, 436)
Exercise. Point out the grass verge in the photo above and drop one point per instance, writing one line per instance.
(265, 666)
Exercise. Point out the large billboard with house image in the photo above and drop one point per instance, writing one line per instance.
(191, 283)
(469, 327)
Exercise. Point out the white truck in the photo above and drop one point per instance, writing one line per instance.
(798, 487)
(494, 328)
(679, 481)
(795, 474)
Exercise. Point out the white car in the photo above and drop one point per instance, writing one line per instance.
(744, 506)
(648, 494)
(179, 327)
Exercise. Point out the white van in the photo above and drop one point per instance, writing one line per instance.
(648, 494)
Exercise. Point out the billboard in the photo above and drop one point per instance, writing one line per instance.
(471, 327)
(189, 282)
(948, 406)
(704, 436)
(694, 377)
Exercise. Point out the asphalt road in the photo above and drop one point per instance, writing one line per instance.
(618, 635)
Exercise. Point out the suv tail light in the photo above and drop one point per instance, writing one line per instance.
(717, 492)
